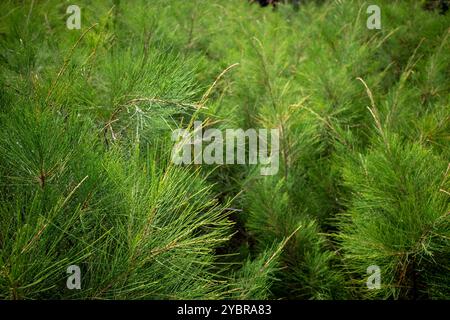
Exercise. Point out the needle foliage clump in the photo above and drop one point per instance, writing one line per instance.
(87, 179)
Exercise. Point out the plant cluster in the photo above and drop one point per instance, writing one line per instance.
(86, 176)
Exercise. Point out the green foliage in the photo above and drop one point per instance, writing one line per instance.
(86, 176)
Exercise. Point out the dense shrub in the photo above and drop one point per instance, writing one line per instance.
(86, 176)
